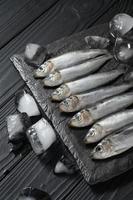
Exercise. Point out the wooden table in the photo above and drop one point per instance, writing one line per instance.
(43, 22)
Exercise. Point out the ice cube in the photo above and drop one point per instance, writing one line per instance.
(65, 165)
(17, 125)
(41, 136)
(34, 54)
(26, 103)
(61, 168)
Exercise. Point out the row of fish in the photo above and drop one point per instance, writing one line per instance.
(102, 108)
(114, 144)
(80, 101)
(90, 115)
(65, 75)
(66, 60)
(35, 54)
(85, 84)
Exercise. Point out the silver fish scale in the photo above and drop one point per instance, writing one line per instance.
(90, 98)
(111, 105)
(92, 81)
(122, 141)
(117, 121)
(85, 68)
(72, 58)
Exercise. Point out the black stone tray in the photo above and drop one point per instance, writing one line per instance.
(93, 171)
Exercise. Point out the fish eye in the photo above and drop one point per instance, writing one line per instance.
(67, 102)
(58, 90)
(99, 148)
(71, 97)
(92, 132)
(78, 116)
(41, 67)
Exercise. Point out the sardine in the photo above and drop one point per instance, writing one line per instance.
(78, 102)
(97, 42)
(90, 115)
(114, 145)
(66, 60)
(58, 77)
(109, 125)
(85, 84)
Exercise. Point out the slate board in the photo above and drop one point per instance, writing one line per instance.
(93, 171)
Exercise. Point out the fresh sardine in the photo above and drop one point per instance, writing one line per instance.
(65, 75)
(97, 42)
(78, 102)
(66, 60)
(84, 84)
(113, 145)
(90, 115)
(109, 125)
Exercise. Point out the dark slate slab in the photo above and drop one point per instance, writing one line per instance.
(93, 171)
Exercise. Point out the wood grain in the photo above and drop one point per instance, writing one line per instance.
(43, 22)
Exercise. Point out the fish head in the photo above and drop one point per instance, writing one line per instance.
(102, 150)
(81, 119)
(69, 104)
(45, 69)
(94, 134)
(53, 79)
(61, 93)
